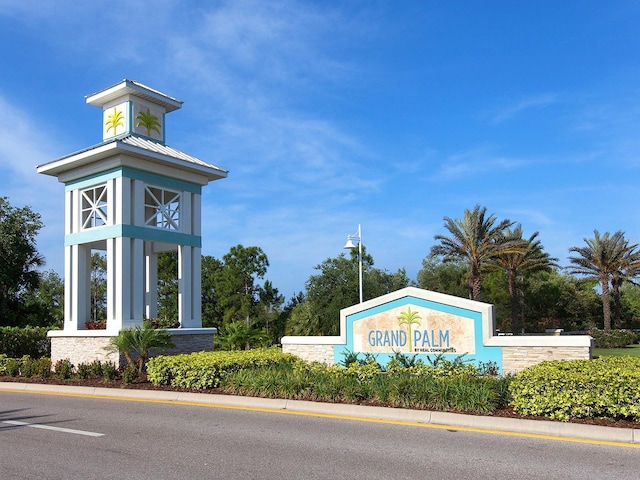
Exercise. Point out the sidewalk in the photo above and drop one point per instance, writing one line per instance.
(547, 429)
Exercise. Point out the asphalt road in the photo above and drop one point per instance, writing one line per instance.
(73, 437)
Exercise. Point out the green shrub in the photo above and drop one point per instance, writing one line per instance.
(203, 370)
(606, 387)
(161, 323)
(64, 369)
(84, 371)
(130, 373)
(27, 367)
(43, 369)
(109, 372)
(12, 367)
(613, 338)
(273, 381)
(96, 368)
(35, 367)
(3, 364)
(17, 342)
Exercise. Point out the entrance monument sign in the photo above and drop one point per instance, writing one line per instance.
(419, 322)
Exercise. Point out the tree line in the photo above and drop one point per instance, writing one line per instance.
(478, 256)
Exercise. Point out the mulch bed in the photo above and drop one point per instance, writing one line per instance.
(143, 384)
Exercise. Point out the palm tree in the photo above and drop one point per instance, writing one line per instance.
(409, 318)
(138, 341)
(523, 256)
(240, 336)
(473, 240)
(628, 269)
(599, 260)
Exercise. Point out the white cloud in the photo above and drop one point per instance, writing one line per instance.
(474, 162)
(23, 146)
(533, 102)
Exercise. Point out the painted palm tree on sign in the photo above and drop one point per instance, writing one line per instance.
(521, 258)
(473, 240)
(115, 120)
(409, 318)
(599, 260)
(149, 122)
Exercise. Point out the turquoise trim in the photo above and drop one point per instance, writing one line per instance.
(161, 235)
(161, 180)
(135, 174)
(132, 231)
(164, 134)
(131, 119)
(92, 180)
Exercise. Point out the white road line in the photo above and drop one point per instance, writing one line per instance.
(56, 429)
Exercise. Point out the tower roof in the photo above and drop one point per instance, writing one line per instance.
(133, 137)
(131, 151)
(126, 87)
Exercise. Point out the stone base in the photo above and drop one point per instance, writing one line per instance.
(518, 352)
(311, 353)
(516, 359)
(86, 346)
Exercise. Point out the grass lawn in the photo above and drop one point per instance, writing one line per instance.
(631, 351)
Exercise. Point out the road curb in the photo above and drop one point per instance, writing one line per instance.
(516, 426)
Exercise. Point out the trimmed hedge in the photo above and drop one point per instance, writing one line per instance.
(17, 342)
(613, 338)
(204, 370)
(271, 373)
(607, 387)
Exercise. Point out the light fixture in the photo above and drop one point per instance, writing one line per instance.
(350, 245)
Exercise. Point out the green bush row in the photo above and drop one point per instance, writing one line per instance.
(42, 368)
(613, 338)
(607, 387)
(271, 373)
(25, 366)
(17, 342)
(368, 384)
(203, 370)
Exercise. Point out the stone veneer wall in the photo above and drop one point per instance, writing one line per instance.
(515, 359)
(311, 353)
(82, 350)
(89, 347)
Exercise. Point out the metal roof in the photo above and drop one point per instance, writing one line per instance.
(153, 146)
(132, 144)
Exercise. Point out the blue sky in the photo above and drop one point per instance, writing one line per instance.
(331, 114)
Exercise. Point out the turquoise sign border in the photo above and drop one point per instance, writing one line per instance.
(483, 353)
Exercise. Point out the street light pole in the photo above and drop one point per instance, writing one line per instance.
(350, 238)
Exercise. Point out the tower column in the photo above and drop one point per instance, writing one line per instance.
(150, 281)
(189, 287)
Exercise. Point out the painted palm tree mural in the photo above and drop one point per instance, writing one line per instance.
(149, 122)
(115, 120)
(409, 318)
